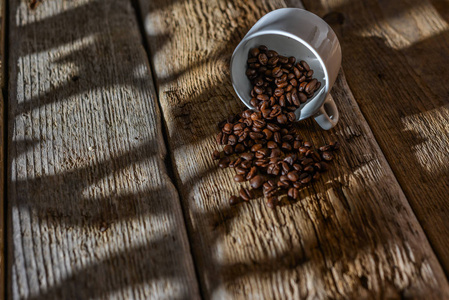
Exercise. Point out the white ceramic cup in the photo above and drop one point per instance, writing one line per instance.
(302, 34)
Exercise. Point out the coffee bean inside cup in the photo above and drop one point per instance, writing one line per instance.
(263, 145)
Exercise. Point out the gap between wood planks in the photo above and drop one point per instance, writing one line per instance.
(168, 157)
(3, 108)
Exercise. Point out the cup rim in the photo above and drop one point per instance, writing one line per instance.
(289, 35)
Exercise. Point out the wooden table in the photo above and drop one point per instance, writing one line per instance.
(111, 191)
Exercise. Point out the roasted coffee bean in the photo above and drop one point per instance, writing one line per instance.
(302, 86)
(216, 155)
(247, 156)
(278, 92)
(240, 170)
(242, 136)
(272, 202)
(261, 153)
(282, 119)
(275, 152)
(262, 97)
(224, 162)
(239, 178)
(250, 72)
(307, 144)
(277, 137)
(310, 87)
(273, 169)
(293, 176)
(305, 65)
(307, 161)
(257, 181)
(289, 159)
(291, 117)
(285, 167)
(309, 74)
(232, 140)
(245, 194)
(256, 135)
(307, 179)
(297, 167)
(263, 48)
(239, 148)
(273, 60)
(286, 146)
(246, 164)
(259, 123)
(263, 59)
(293, 193)
(272, 145)
(268, 133)
(335, 145)
(327, 155)
(309, 169)
(235, 163)
(325, 148)
(273, 127)
(228, 150)
(254, 102)
(233, 200)
(254, 52)
(256, 147)
(316, 176)
(277, 72)
(252, 172)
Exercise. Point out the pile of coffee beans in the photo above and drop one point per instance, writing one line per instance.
(263, 145)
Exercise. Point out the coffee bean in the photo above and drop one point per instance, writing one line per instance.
(247, 156)
(263, 48)
(259, 123)
(272, 145)
(216, 155)
(307, 161)
(307, 144)
(310, 87)
(257, 181)
(263, 59)
(233, 200)
(256, 135)
(309, 169)
(224, 162)
(307, 179)
(262, 97)
(273, 127)
(277, 137)
(327, 155)
(293, 193)
(305, 65)
(232, 140)
(240, 170)
(228, 150)
(239, 148)
(273, 60)
(275, 152)
(293, 176)
(272, 202)
(302, 97)
(254, 52)
(235, 163)
(239, 178)
(273, 169)
(252, 172)
(276, 72)
(325, 148)
(245, 194)
(246, 164)
(268, 133)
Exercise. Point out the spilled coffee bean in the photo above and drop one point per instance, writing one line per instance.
(263, 145)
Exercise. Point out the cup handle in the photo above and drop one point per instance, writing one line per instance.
(327, 116)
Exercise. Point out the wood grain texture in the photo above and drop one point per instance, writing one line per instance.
(2, 149)
(92, 212)
(395, 53)
(353, 234)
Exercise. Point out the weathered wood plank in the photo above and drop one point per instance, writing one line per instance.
(92, 212)
(2, 149)
(396, 58)
(353, 234)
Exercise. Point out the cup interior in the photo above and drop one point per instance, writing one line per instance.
(285, 46)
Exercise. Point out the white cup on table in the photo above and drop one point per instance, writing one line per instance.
(302, 34)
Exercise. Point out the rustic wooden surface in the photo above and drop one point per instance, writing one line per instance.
(92, 212)
(395, 58)
(353, 234)
(2, 149)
